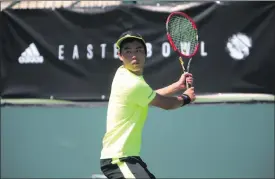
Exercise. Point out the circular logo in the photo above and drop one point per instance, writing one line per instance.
(238, 46)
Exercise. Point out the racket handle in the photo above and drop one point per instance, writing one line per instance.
(188, 85)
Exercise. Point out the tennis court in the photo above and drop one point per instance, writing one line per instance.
(53, 112)
(55, 139)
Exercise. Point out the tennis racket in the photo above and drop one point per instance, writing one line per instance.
(182, 35)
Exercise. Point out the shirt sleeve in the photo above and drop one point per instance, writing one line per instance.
(142, 93)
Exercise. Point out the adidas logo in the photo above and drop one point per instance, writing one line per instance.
(31, 55)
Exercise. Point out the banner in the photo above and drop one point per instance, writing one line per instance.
(65, 54)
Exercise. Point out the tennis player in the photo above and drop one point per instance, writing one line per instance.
(127, 110)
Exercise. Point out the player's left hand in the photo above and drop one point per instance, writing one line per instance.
(186, 77)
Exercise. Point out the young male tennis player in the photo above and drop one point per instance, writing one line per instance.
(127, 110)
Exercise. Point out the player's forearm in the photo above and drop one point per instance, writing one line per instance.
(173, 103)
(167, 103)
(176, 102)
(168, 90)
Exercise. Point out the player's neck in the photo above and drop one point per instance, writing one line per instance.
(138, 73)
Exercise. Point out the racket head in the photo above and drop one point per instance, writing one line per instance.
(182, 33)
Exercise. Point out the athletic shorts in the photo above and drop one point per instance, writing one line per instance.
(126, 167)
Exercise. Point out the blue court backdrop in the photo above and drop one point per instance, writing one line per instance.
(198, 141)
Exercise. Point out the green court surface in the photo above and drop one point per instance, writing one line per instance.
(198, 141)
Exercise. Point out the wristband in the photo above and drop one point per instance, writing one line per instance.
(186, 99)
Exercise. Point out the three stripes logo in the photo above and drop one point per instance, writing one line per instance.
(31, 56)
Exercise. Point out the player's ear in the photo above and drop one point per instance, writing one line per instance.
(119, 56)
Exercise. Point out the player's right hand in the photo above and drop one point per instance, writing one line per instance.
(191, 93)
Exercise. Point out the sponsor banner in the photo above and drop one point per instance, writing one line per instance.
(72, 55)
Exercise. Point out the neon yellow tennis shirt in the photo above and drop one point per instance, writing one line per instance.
(127, 112)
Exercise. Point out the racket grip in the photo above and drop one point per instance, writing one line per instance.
(188, 85)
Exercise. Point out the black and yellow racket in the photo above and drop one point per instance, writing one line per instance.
(183, 37)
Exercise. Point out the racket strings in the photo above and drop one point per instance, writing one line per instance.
(183, 34)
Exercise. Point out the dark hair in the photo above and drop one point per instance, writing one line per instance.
(129, 40)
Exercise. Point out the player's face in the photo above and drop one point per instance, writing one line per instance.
(133, 56)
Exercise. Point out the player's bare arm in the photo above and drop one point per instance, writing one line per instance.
(176, 87)
(169, 102)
